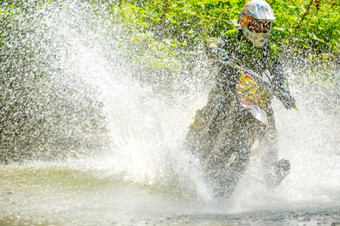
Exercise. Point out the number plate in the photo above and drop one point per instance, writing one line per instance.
(249, 92)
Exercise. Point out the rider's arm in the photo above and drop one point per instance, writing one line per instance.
(281, 85)
(216, 49)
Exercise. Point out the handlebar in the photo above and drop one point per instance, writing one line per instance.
(255, 75)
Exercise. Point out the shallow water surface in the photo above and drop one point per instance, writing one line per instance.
(76, 193)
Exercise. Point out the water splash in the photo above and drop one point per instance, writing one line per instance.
(81, 62)
(82, 54)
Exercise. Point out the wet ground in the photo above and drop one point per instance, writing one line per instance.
(57, 194)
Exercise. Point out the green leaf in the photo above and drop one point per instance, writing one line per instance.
(317, 39)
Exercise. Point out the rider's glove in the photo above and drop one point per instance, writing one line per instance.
(287, 100)
(218, 53)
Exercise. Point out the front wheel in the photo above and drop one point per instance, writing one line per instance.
(230, 155)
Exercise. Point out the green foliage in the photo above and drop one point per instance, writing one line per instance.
(319, 31)
(194, 22)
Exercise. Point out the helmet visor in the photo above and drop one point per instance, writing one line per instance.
(259, 26)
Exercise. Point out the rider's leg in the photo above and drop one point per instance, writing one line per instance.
(274, 171)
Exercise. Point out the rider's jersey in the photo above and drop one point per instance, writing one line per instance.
(245, 53)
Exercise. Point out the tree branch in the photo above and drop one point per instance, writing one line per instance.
(302, 19)
(165, 9)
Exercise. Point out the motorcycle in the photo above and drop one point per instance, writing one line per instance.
(225, 129)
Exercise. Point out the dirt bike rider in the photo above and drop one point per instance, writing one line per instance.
(249, 46)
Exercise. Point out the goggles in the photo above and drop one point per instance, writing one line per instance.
(256, 26)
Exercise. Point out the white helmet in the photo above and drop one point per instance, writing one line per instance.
(255, 19)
